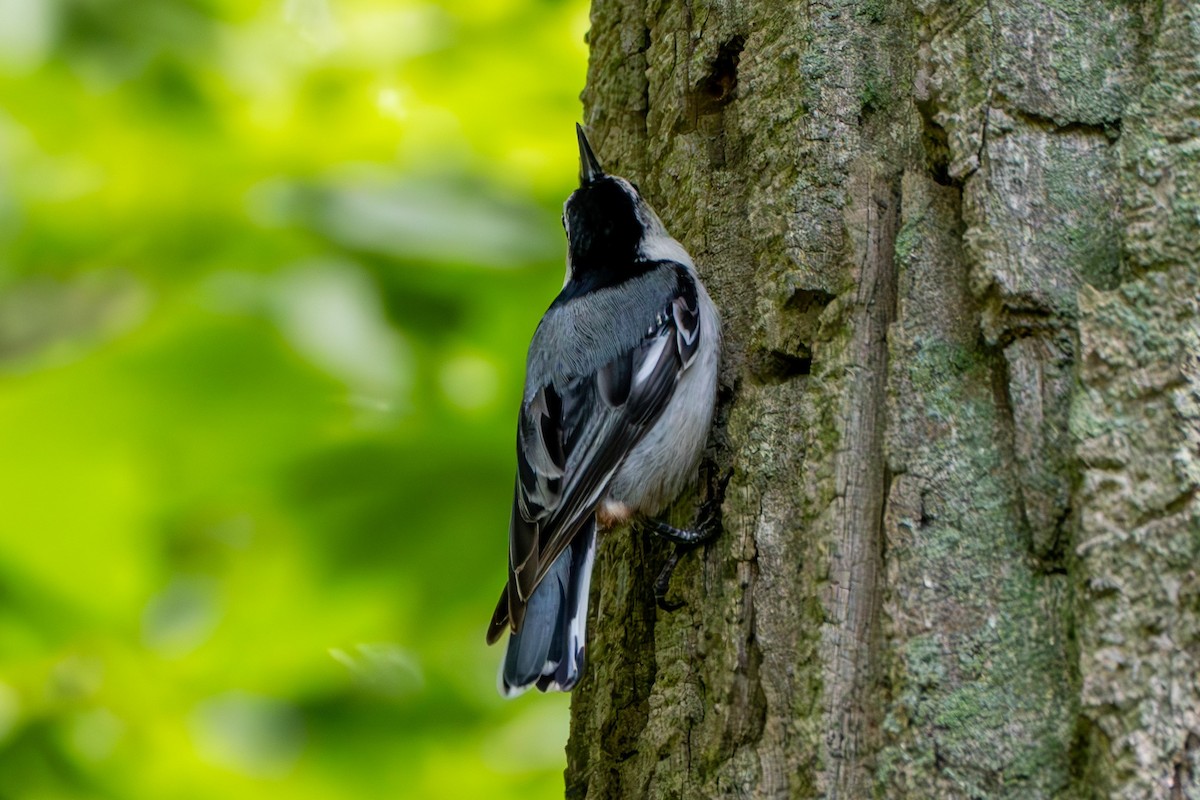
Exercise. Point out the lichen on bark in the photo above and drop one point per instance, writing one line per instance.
(954, 247)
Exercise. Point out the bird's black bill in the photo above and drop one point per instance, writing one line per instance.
(589, 165)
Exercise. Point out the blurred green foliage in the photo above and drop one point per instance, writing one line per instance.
(268, 269)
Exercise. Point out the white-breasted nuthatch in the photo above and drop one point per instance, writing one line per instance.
(620, 387)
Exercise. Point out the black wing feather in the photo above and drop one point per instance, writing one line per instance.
(574, 434)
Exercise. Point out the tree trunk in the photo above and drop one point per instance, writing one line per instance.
(955, 245)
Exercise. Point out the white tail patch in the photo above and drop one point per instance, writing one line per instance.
(577, 631)
(569, 663)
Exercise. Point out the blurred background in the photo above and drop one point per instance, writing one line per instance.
(268, 270)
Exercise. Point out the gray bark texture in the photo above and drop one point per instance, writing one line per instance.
(956, 249)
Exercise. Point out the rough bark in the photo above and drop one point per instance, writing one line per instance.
(956, 249)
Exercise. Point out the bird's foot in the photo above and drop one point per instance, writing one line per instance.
(708, 525)
(680, 536)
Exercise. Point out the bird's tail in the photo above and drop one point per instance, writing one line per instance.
(549, 648)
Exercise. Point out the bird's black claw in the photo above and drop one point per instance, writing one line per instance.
(708, 525)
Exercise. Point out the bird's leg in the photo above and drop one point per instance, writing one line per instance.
(708, 525)
(708, 520)
(680, 536)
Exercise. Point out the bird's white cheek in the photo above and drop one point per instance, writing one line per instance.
(661, 247)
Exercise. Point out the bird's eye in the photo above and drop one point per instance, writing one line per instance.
(636, 188)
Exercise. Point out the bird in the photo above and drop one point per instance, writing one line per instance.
(620, 388)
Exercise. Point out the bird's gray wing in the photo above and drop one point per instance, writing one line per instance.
(573, 435)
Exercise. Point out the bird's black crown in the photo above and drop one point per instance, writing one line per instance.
(604, 229)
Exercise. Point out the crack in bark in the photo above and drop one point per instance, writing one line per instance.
(854, 595)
